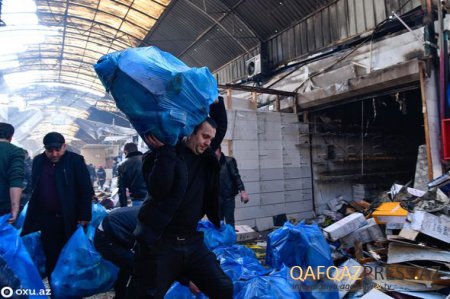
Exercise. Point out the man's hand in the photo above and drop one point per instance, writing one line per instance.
(193, 288)
(13, 217)
(153, 141)
(244, 197)
(15, 194)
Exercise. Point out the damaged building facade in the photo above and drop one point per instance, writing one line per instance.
(365, 83)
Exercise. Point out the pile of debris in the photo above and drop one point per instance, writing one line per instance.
(400, 241)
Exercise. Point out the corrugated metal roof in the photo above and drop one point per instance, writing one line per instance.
(68, 39)
(214, 32)
(78, 32)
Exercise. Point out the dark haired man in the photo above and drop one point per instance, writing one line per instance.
(230, 186)
(61, 197)
(183, 184)
(130, 176)
(11, 173)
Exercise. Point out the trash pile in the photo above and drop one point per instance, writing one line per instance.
(398, 243)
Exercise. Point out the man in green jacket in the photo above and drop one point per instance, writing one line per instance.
(12, 162)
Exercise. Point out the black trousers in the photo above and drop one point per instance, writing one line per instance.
(119, 255)
(171, 258)
(227, 207)
(53, 238)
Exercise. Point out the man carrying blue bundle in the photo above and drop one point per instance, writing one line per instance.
(61, 197)
(183, 184)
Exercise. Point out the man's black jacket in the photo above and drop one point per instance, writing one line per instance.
(74, 191)
(230, 179)
(165, 170)
(131, 177)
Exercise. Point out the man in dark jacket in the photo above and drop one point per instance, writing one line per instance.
(114, 240)
(101, 176)
(61, 197)
(11, 173)
(230, 186)
(183, 184)
(131, 177)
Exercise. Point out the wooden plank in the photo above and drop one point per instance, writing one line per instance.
(425, 119)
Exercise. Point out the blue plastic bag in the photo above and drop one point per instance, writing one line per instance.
(98, 213)
(213, 237)
(304, 246)
(33, 245)
(16, 256)
(233, 252)
(179, 291)
(266, 287)
(239, 263)
(284, 246)
(157, 92)
(80, 270)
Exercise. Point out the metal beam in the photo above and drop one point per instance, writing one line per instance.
(261, 90)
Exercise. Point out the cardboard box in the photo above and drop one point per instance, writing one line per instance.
(368, 233)
(345, 226)
(245, 233)
(390, 212)
(435, 226)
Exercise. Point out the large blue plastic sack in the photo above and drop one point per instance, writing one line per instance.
(98, 213)
(33, 245)
(284, 246)
(157, 92)
(179, 291)
(16, 256)
(238, 263)
(304, 246)
(266, 287)
(233, 252)
(213, 237)
(80, 270)
(301, 245)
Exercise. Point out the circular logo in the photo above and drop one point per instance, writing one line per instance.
(6, 292)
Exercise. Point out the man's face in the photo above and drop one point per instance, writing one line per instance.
(55, 154)
(200, 141)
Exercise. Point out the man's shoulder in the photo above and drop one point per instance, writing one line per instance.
(12, 148)
(74, 156)
(229, 159)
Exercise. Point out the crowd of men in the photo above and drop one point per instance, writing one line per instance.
(152, 236)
